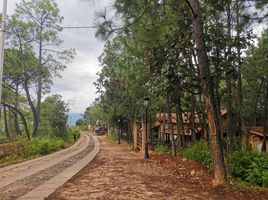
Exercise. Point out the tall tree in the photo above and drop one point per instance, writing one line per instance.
(208, 92)
(44, 16)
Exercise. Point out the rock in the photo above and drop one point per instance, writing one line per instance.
(192, 173)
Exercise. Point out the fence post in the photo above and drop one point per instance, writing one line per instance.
(135, 135)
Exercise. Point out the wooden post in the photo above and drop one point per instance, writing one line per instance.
(143, 141)
(135, 135)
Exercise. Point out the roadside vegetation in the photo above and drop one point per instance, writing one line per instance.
(22, 149)
(245, 165)
(112, 139)
(32, 122)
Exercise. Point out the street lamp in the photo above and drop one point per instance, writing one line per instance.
(146, 104)
(119, 131)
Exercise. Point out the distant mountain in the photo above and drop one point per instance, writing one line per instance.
(73, 117)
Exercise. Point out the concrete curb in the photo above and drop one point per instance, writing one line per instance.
(51, 185)
(17, 175)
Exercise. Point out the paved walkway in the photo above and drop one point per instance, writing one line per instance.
(118, 172)
(38, 178)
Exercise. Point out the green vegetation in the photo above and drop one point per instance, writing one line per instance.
(23, 149)
(82, 124)
(54, 117)
(250, 166)
(162, 149)
(73, 133)
(112, 138)
(199, 152)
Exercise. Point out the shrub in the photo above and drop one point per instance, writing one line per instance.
(73, 134)
(199, 152)
(39, 146)
(265, 179)
(3, 138)
(25, 149)
(112, 138)
(161, 149)
(250, 166)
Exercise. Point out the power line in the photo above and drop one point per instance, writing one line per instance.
(78, 27)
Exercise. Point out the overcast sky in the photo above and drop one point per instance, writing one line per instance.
(76, 84)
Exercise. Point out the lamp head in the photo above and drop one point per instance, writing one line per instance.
(146, 101)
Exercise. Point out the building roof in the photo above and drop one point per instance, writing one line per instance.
(256, 130)
(186, 116)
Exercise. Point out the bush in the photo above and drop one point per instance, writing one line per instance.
(112, 138)
(199, 152)
(161, 149)
(265, 179)
(73, 133)
(3, 138)
(250, 166)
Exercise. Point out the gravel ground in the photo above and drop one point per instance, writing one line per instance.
(118, 172)
(22, 186)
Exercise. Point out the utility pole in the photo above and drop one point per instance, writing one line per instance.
(2, 43)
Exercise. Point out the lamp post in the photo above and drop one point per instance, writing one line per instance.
(146, 104)
(119, 134)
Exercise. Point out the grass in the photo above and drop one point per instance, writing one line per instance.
(112, 138)
(161, 149)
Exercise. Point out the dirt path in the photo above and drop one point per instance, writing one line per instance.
(19, 179)
(120, 173)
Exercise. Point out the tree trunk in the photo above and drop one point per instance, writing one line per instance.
(228, 80)
(239, 83)
(6, 124)
(39, 85)
(180, 127)
(16, 121)
(207, 86)
(15, 110)
(265, 121)
(34, 112)
(193, 105)
(173, 150)
(163, 128)
(193, 100)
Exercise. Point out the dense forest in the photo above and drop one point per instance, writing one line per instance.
(187, 56)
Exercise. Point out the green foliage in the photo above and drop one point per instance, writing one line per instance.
(161, 149)
(73, 133)
(39, 146)
(250, 166)
(265, 179)
(199, 152)
(112, 138)
(79, 122)
(82, 124)
(25, 149)
(54, 116)
(3, 139)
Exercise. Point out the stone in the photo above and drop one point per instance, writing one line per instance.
(192, 173)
